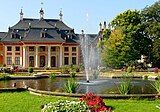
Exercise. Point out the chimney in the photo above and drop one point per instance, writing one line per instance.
(105, 25)
(21, 15)
(100, 26)
(61, 15)
(41, 13)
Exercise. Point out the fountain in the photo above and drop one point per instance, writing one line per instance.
(90, 55)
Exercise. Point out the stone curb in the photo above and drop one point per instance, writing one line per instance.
(108, 96)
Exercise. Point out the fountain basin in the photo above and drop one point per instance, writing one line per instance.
(100, 86)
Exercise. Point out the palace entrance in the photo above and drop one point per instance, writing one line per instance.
(42, 61)
(53, 61)
(31, 61)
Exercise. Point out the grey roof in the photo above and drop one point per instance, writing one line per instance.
(58, 24)
(10, 39)
(51, 36)
(40, 23)
(30, 30)
(3, 34)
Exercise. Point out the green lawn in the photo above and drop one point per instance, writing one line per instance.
(25, 102)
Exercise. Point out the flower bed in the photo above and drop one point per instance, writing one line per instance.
(88, 103)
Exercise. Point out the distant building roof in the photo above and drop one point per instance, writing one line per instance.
(40, 23)
(30, 30)
(2, 35)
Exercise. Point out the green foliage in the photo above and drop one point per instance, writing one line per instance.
(5, 77)
(69, 69)
(7, 70)
(129, 69)
(151, 24)
(125, 87)
(71, 86)
(156, 85)
(65, 69)
(126, 42)
(66, 106)
(114, 53)
(95, 74)
(30, 70)
(47, 68)
(73, 74)
(52, 76)
(81, 67)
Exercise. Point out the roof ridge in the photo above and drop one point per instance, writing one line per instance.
(44, 22)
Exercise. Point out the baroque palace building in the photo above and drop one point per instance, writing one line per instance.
(40, 43)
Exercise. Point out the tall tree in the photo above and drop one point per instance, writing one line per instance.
(134, 44)
(130, 22)
(151, 25)
(113, 54)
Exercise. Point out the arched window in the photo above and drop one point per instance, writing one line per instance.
(31, 61)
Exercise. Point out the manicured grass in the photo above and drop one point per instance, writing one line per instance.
(133, 105)
(25, 102)
(119, 73)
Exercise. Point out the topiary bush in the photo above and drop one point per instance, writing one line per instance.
(30, 70)
(5, 77)
(52, 76)
(65, 69)
(7, 70)
(129, 69)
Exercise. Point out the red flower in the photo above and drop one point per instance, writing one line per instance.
(95, 103)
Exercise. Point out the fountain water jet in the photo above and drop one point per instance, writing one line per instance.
(90, 54)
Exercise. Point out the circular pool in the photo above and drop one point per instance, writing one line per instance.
(99, 86)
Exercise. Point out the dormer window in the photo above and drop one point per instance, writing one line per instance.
(43, 34)
(13, 35)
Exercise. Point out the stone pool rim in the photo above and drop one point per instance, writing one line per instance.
(105, 96)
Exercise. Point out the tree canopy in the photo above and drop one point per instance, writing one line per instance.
(132, 34)
(151, 23)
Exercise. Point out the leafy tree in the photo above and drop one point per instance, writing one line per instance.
(113, 53)
(151, 25)
(131, 43)
(130, 22)
(106, 33)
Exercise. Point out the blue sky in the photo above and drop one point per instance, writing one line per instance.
(75, 11)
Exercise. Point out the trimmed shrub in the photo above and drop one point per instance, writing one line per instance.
(129, 69)
(47, 68)
(7, 70)
(65, 69)
(52, 76)
(5, 77)
(30, 70)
